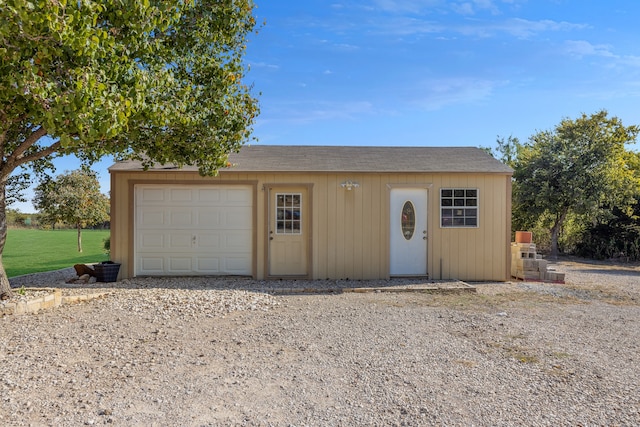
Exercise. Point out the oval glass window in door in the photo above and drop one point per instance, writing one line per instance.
(408, 220)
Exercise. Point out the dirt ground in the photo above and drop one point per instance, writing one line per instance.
(511, 354)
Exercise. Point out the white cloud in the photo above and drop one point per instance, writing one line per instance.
(406, 6)
(409, 26)
(438, 93)
(523, 28)
(463, 8)
(581, 48)
(308, 112)
(346, 47)
(631, 60)
(474, 6)
(517, 27)
(264, 65)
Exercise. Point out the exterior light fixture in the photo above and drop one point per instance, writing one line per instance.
(349, 185)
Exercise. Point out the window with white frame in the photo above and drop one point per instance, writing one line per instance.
(288, 213)
(459, 207)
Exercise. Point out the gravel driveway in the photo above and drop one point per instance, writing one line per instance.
(154, 353)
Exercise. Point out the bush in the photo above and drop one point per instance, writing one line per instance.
(106, 244)
(617, 238)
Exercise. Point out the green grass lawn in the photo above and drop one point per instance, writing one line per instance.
(33, 251)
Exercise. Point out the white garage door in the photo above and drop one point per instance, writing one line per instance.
(193, 229)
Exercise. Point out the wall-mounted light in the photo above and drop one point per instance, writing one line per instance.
(349, 185)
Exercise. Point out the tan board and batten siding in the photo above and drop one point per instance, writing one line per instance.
(349, 235)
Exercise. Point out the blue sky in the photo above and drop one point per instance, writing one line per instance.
(435, 73)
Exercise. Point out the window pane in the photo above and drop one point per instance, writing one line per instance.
(288, 213)
(465, 201)
(408, 220)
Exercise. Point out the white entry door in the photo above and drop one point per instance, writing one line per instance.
(408, 232)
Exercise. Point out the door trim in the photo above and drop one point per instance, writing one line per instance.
(268, 189)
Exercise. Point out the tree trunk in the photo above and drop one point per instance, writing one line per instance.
(555, 234)
(79, 237)
(5, 287)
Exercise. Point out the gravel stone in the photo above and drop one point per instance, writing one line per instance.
(229, 351)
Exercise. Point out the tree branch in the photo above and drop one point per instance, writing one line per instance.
(16, 156)
(38, 154)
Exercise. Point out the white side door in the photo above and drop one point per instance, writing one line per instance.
(408, 232)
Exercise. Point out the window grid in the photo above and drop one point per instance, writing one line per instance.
(288, 213)
(459, 207)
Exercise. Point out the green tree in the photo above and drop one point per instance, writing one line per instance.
(508, 150)
(574, 170)
(73, 198)
(156, 80)
(15, 217)
(16, 184)
(616, 232)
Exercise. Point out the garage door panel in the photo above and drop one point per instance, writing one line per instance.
(180, 264)
(151, 218)
(193, 230)
(209, 196)
(208, 241)
(180, 241)
(239, 196)
(180, 195)
(209, 218)
(228, 242)
(152, 265)
(151, 241)
(151, 195)
(237, 241)
(238, 265)
(208, 265)
(181, 218)
(237, 218)
(224, 218)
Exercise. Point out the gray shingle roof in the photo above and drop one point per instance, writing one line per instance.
(306, 158)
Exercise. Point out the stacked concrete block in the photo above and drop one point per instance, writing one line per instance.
(527, 264)
(554, 276)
